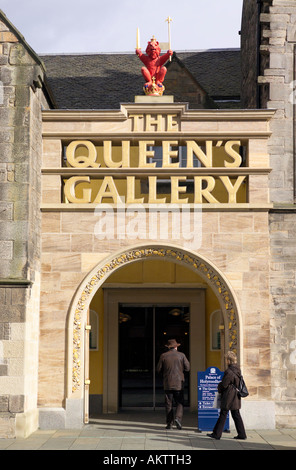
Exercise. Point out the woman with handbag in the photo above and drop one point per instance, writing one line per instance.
(230, 400)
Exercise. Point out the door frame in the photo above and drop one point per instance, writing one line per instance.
(113, 296)
(86, 368)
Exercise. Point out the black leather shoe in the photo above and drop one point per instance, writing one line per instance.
(168, 426)
(213, 436)
(178, 424)
(240, 438)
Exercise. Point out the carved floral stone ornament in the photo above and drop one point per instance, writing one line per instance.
(170, 254)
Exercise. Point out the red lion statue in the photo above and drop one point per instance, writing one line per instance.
(154, 71)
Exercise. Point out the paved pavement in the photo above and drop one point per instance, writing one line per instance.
(138, 431)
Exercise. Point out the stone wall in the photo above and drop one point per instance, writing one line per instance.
(22, 99)
(277, 76)
(254, 59)
(249, 52)
(281, 76)
(235, 242)
(283, 315)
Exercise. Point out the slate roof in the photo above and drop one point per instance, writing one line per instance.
(103, 81)
(217, 71)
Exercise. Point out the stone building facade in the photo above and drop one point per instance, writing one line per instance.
(57, 276)
(275, 85)
(23, 95)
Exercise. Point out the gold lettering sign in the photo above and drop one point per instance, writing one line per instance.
(111, 165)
(89, 160)
(204, 186)
(154, 123)
(146, 152)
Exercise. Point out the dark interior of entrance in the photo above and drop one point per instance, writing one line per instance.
(143, 333)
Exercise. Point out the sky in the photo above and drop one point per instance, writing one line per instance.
(86, 26)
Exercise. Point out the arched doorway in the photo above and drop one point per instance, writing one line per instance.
(78, 313)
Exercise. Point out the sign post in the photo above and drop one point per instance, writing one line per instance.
(207, 384)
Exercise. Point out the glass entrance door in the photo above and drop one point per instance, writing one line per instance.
(143, 333)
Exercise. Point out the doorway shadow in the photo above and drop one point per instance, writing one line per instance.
(142, 419)
(142, 430)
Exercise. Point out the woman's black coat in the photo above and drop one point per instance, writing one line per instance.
(230, 381)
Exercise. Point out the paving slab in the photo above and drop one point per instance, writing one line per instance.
(145, 431)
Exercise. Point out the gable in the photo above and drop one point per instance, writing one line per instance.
(180, 83)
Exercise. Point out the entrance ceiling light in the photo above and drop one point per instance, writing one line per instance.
(124, 317)
(186, 318)
(175, 312)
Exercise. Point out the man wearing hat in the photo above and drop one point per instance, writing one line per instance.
(172, 364)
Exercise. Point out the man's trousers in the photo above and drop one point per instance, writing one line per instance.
(170, 397)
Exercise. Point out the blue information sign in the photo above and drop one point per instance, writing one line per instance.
(207, 384)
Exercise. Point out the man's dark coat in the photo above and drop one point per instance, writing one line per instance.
(172, 365)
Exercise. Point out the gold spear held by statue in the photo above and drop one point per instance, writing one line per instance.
(169, 20)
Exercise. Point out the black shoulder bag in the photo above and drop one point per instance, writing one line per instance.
(242, 390)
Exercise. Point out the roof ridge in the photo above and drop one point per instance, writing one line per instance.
(43, 54)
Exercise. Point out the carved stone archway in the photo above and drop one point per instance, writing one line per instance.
(94, 280)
